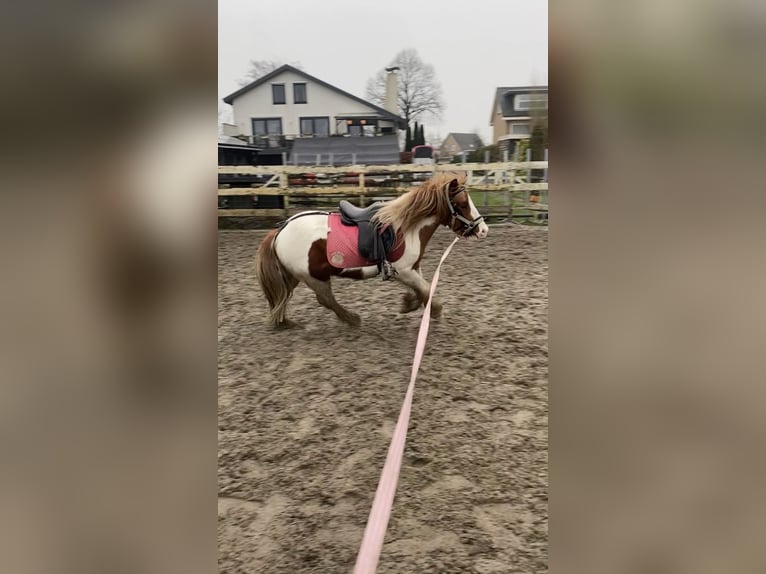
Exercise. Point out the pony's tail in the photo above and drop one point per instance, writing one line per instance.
(276, 281)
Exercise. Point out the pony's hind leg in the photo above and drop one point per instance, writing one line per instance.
(276, 281)
(278, 315)
(325, 297)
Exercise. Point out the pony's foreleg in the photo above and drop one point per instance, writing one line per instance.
(326, 298)
(413, 279)
(411, 300)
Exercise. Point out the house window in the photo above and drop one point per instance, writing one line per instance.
(315, 126)
(267, 126)
(531, 102)
(278, 93)
(299, 94)
(520, 129)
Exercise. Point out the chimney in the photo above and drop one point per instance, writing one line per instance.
(392, 90)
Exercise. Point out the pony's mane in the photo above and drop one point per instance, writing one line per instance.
(426, 200)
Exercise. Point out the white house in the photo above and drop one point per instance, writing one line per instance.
(288, 103)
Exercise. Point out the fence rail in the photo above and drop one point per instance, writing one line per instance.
(394, 168)
(501, 189)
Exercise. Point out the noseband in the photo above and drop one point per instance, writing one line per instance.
(470, 224)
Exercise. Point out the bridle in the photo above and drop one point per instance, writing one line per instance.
(455, 215)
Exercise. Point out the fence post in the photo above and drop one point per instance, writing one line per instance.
(529, 174)
(463, 157)
(529, 169)
(505, 155)
(362, 190)
(284, 158)
(283, 182)
(508, 194)
(486, 156)
(353, 158)
(332, 159)
(545, 175)
(319, 158)
(295, 159)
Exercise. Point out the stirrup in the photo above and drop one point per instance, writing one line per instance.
(387, 270)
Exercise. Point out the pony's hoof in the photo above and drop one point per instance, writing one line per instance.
(287, 324)
(353, 320)
(410, 303)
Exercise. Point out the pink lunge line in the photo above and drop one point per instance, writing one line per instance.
(375, 532)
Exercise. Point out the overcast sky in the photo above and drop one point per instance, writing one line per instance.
(475, 46)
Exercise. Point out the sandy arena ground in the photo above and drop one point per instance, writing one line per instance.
(305, 417)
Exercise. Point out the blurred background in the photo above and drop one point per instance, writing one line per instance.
(657, 314)
(108, 401)
(107, 226)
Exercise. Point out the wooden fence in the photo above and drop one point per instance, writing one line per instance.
(500, 190)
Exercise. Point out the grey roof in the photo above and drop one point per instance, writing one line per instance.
(505, 97)
(401, 123)
(465, 141)
(377, 150)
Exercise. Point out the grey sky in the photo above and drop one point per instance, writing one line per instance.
(474, 46)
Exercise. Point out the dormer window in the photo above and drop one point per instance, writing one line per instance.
(278, 93)
(524, 102)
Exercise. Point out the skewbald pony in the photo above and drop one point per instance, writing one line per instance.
(301, 255)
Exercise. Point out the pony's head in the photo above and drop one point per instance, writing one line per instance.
(463, 217)
(443, 197)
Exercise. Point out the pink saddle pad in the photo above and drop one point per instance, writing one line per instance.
(342, 242)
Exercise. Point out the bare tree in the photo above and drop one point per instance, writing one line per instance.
(259, 68)
(419, 92)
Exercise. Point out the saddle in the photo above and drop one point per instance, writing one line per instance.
(373, 243)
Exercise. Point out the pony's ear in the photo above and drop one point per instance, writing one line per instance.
(453, 186)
